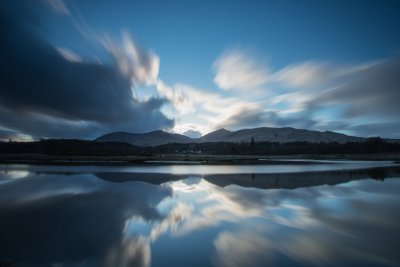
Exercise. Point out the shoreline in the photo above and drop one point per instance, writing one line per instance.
(186, 159)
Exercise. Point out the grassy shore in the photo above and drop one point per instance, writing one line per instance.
(180, 159)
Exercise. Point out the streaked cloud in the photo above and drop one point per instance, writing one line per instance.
(132, 251)
(182, 100)
(204, 111)
(237, 70)
(140, 65)
(246, 116)
(52, 92)
(312, 94)
(385, 129)
(121, 90)
(58, 6)
(303, 74)
(68, 54)
(372, 90)
(241, 249)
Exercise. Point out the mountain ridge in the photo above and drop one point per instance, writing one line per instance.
(261, 134)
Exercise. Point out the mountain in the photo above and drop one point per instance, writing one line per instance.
(263, 134)
(220, 135)
(288, 134)
(154, 138)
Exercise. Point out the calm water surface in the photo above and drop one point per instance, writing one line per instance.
(285, 166)
(342, 215)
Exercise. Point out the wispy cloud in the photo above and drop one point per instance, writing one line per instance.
(372, 90)
(140, 65)
(58, 6)
(68, 54)
(237, 249)
(183, 101)
(72, 98)
(209, 110)
(312, 94)
(237, 70)
(89, 97)
(303, 74)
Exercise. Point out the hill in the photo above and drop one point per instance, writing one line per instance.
(263, 134)
(153, 138)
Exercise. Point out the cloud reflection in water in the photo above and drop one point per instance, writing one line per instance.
(80, 219)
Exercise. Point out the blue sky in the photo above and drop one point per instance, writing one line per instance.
(196, 66)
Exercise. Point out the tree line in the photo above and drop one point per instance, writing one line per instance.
(72, 147)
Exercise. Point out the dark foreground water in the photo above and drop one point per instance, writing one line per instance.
(111, 216)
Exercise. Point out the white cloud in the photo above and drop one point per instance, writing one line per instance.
(201, 110)
(132, 251)
(236, 70)
(303, 74)
(241, 249)
(302, 95)
(293, 102)
(182, 100)
(140, 65)
(180, 213)
(68, 54)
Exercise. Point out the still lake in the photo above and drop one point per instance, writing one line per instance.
(292, 213)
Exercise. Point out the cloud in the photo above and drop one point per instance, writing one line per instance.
(189, 129)
(316, 95)
(7, 135)
(362, 99)
(53, 202)
(361, 90)
(255, 116)
(389, 129)
(133, 251)
(51, 91)
(373, 90)
(246, 116)
(204, 111)
(181, 100)
(303, 74)
(140, 65)
(241, 249)
(236, 70)
(68, 54)
(43, 94)
(58, 6)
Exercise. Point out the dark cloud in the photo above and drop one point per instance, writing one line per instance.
(45, 95)
(367, 98)
(371, 91)
(6, 134)
(388, 130)
(363, 99)
(90, 235)
(244, 117)
(250, 118)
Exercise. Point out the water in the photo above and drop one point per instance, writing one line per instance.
(131, 216)
(281, 166)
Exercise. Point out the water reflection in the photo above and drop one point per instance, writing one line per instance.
(62, 219)
(81, 220)
(265, 166)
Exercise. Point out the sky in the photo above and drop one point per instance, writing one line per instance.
(81, 69)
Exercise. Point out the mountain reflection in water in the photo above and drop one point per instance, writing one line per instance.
(213, 220)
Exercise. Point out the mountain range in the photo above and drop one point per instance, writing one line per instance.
(263, 134)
